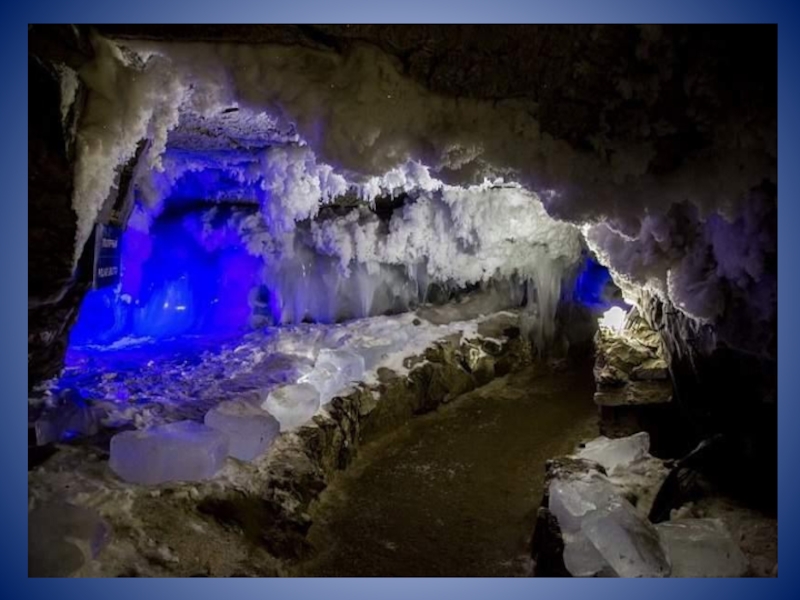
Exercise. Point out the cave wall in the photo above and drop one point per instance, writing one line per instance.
(722, 389)
(605, 91)
(54, 294)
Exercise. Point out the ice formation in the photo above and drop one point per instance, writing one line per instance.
(613, 453)
(333, 371)
(250, 430)
(232, 266)
(181, 451)
(628, 542)
(704, 264)
(342, 267)
(65, 421)
(603, 532)
(702, 548)
(292, 405)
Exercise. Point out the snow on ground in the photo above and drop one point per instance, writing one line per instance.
(144, 382)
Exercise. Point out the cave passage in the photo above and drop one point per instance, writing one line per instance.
(305, 301)
(454, 492)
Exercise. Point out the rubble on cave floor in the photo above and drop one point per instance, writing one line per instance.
(630, 366)
(594, 521)
(634, 390)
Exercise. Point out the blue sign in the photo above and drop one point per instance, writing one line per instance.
(107, 255)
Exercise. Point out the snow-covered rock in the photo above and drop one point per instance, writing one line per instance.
(182, 451)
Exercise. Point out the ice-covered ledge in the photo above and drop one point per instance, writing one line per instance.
(199, 527)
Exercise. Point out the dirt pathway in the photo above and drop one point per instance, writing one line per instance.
(454, 492)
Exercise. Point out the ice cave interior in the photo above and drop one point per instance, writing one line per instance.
(259, 252)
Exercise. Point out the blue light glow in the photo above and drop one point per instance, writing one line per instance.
(591, 284)
(189, 274)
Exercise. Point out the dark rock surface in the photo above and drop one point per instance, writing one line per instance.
(723, 389)
(53, 292)
(634, 388)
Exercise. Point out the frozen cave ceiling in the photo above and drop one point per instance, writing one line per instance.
(658, 141)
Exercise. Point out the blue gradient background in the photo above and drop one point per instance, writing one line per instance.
(13, 248)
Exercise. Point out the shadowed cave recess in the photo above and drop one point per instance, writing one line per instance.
(402, 300)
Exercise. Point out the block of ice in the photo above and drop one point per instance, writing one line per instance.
(373, 354)
(570, 500)
(326, 379)
(292, 405)
(182, 451)
(65, 422)
(702, 548)
(61, 537)
(582, 559)
(628, 542)
(283, 368)
(612, 453)
(250, 430)
(333, 371)
(349, 364)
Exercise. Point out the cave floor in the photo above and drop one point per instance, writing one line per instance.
(454, 492)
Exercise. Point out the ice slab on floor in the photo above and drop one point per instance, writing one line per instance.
(702, 548)
(66, 421)
(614, 453)
(582, 559)
(292, 405)
(61, 537)
(603, 533)
(572, 499)
(333, 371)
(627, 541)
(181, 451)
(249, 429)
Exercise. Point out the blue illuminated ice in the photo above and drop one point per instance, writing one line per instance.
(66, 421)
(182, 451)
(292, 405)
(250, 430)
